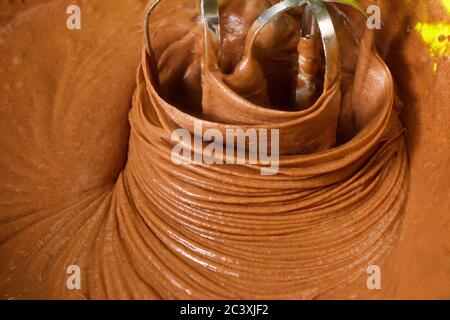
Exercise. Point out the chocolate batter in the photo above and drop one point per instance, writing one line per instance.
(87, 178)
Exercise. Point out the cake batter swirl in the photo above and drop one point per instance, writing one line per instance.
(196, 231)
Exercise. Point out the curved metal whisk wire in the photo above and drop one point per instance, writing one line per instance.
(211, 18)
(149, 11)
(327, 31)
(323, 19)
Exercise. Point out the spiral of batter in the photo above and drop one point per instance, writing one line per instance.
(225, 231)
(163, 230)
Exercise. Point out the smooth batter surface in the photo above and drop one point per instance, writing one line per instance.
(141, 227)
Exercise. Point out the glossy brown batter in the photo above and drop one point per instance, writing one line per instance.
(79, 186)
